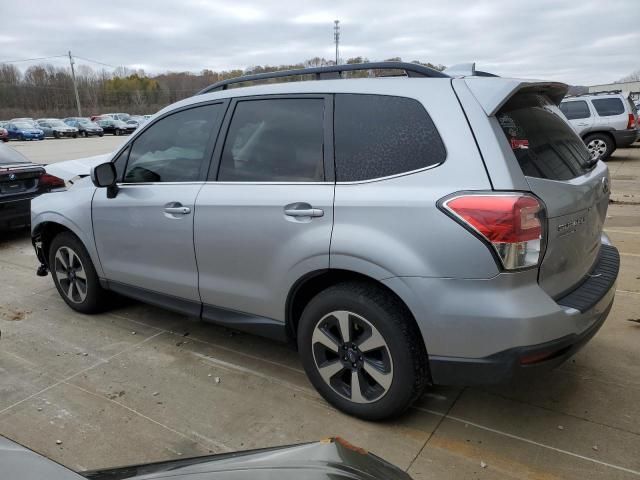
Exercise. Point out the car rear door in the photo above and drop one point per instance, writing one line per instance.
(264, 218)
(575, 193)
(144, 235)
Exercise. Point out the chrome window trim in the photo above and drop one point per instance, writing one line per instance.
(388, 177)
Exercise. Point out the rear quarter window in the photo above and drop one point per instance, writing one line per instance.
(378, 136)
(607, 107)
(542, 141)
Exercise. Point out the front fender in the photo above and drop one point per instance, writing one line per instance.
(70, 209)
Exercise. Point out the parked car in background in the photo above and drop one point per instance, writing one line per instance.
(20, 181)
(56, 128)
(119, 116)
(86, 127)
(28, 120)
(23, 130)
(4, 135)
(605, 121)
(115, 127)
(358, 219)
(136, 120)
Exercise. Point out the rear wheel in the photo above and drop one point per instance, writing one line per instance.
(362, 350)
(75, 276)
(56, 134)
(600, 146)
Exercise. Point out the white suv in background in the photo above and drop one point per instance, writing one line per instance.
(604, 120)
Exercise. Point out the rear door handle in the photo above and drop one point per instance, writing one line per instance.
(177, 210)
(302, 210)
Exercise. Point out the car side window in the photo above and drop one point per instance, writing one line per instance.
(575, 110)
(275, 140)
(607, 107)
(378, 136)
(175, 148)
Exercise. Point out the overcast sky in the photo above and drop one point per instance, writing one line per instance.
(575, 41)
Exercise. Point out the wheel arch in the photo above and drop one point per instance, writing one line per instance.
(600, 132)
(314, 282)
(44, 231)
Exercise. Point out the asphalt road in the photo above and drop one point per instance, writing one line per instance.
(141, 384)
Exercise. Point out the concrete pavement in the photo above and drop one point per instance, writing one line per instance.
(140, 384)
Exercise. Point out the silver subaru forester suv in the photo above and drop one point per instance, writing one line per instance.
(434, 228)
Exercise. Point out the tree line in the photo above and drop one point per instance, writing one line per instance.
(47, 91)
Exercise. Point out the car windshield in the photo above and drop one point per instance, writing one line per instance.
(22, 125)
(57, 123)
(86, 123)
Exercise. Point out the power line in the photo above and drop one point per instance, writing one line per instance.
(95, 61)
(31, 59)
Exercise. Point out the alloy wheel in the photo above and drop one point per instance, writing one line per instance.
(352, 357)
(70, 274)
(597, 148)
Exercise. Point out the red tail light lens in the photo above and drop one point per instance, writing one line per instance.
(632, 121)
(49, 182)
(511, 224)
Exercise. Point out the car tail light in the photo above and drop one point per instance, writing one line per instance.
(632, 121)
(49, 182)
(510, 223)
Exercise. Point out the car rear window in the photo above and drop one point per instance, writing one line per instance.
(607, 107)
(576, 109)
(378, 136)
(542, 141)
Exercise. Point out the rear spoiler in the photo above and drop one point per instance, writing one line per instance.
(493, 93)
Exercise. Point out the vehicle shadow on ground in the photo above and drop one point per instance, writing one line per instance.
(7, 237)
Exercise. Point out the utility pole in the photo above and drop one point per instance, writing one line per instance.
(75, 87)
(336, 37)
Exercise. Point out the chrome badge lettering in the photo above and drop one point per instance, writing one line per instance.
(563, 227)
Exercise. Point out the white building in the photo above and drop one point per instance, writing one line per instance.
(628, 88)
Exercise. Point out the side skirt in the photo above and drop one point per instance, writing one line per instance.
(246, 322)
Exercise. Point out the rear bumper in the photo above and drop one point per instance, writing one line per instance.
(15, 214)
(480, 332)
(508, 365)
(624, 138)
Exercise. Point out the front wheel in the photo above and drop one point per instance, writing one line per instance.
(74, 275)
(600, 146)
(118, 132)
(56, 134)
(362, 350)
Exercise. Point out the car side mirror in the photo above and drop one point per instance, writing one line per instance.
(105, 175)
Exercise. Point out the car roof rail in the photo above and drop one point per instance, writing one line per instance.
(331, 72)
(602, 92)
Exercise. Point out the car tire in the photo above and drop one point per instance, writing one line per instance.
(118, 132)
(599, 143)
(21, 138)
(5, 140)
(101, 135)
(75, 135)
(384, 353)
(68, 263)
(56, 134)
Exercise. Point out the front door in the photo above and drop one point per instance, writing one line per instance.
(265, 219)
(144, 235)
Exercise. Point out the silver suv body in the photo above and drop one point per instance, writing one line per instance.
(400, 231)
(605, 121)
